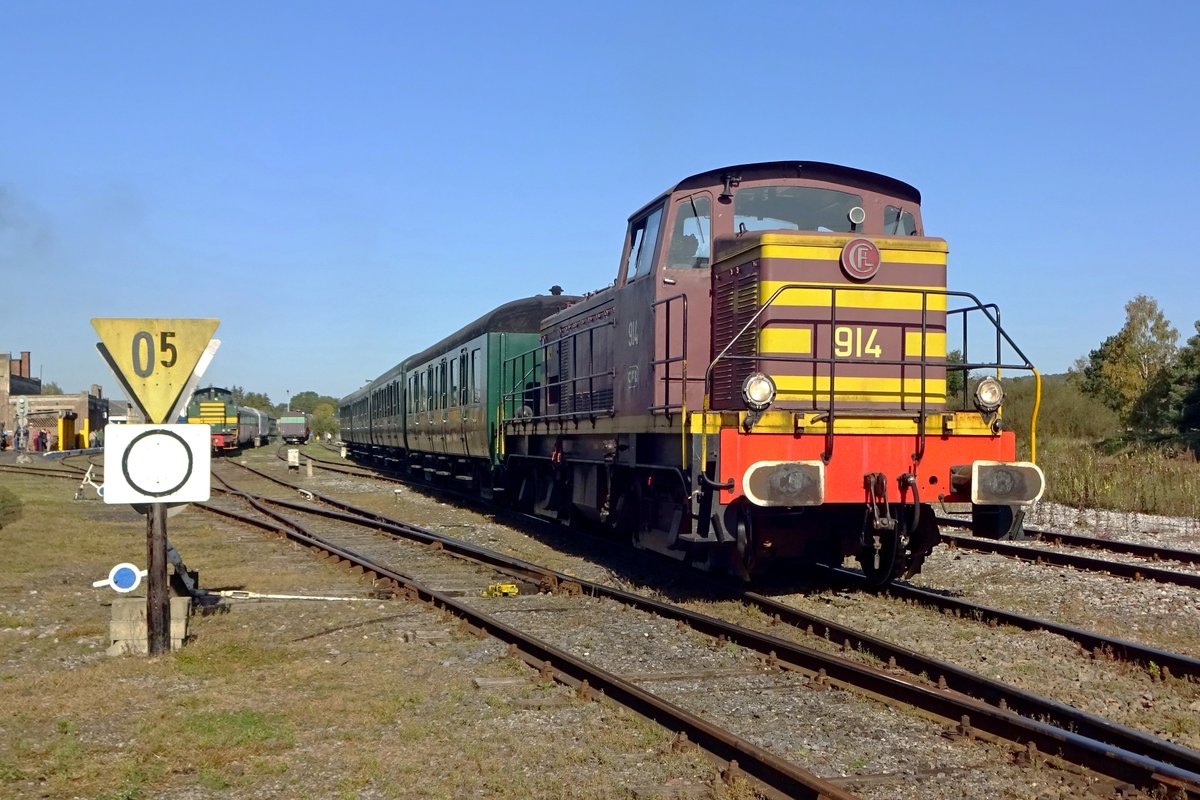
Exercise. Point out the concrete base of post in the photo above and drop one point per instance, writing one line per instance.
(128, 634)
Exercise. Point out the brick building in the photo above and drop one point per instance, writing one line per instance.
(70, 416)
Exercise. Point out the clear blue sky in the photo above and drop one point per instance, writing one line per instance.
(342, 184)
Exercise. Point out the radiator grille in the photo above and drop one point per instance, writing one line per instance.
(735, 301)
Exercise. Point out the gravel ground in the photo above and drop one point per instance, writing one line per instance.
(1155, 614)
(1039, 662)
(1182, 533)
(539, 735)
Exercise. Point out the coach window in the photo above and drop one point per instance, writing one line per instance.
(476, 381)
(454, 396)
(442, 384)
(463, 379)
(691, 234)
(642, 244)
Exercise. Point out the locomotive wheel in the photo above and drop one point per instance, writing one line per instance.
(883, 572)
(748, 562)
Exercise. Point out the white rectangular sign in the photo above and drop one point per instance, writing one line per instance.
(157, 463)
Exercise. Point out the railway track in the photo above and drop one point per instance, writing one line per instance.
(1098, 644)
(949, 678)
(782, 778)
(1040, 555)
(1041, 539)
(995, 716)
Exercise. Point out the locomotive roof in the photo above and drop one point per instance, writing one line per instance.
(815, 170)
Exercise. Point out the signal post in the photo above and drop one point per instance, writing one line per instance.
(158, 362)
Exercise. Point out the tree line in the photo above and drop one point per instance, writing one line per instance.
(1143, 376)
(1138, 387)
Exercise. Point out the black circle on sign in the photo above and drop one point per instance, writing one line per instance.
(129, 449)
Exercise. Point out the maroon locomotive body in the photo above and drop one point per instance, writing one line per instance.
(767, 380)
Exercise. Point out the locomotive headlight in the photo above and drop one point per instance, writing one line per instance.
(989, 394)
(758, 391)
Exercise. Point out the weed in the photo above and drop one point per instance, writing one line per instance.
(224, 658)
(125, 793)
(212, 779)
(1139, 480)
(10, 773)
(252, 730)
(858, 763)
(1182, 726)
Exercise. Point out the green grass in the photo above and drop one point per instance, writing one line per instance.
(231, 655)
(252, 731)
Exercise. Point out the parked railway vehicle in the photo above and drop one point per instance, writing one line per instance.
(766, 381)
(438, 411)
(263, 424)
(232, 427)
(294, 427)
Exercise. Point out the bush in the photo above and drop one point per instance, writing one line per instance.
(1065, 412)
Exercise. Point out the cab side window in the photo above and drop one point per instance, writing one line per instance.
(691, 234)
(899, 222)
(643, 243)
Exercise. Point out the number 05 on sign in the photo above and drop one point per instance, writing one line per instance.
(154, 358)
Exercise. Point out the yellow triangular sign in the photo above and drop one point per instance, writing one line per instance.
(154, 358)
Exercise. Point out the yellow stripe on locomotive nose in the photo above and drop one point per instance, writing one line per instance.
(935, 344)
(889, 255)
(864, 390)
(851, 296)
(781, 341)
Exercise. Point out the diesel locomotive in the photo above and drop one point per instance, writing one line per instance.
(767, 381)
(232, 427)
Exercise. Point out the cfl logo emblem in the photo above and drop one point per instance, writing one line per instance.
(860, 259)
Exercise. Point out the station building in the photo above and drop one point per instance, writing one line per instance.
(67, 419)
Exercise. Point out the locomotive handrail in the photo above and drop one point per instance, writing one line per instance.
(990, 312)
(538, 353)
(667, 405)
